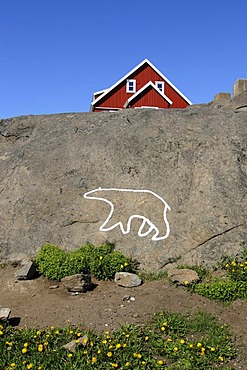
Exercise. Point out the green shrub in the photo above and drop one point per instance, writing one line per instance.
(50, 261)
(222, 290)
(236, 267)
(102, 262)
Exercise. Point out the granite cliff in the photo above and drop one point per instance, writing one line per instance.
(173, 182)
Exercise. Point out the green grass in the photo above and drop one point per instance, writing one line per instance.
(171, 341)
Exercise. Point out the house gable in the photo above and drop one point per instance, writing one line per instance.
(148, 95)
(143, 73)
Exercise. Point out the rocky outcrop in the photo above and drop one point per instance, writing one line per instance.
(191, 162)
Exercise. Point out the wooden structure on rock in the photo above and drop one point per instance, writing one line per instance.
(143, 87)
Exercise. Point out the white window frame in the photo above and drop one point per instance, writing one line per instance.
(163, 86)
(128, 90)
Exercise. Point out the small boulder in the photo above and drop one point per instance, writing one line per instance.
(71, 346)
(77, 283)
(127, 279)
(27, 272)
(4, 314)
(183, 276)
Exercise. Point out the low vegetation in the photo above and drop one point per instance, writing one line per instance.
(101, 262)
(170, 342)
(230, 286)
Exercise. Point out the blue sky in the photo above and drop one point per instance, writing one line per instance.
(55, 54)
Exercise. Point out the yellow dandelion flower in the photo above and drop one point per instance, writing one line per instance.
(146, 338)
(160, 362)
(127, 364)
(38, 332)
(109, 354)
(169, 339)
(85, 340)
(57, 332)
(52, 327)
(163, 328)
(127, 335)
(70, 355)
(212, 349)
(40, 347)
(175, 349)
(110, 346)
(29, 366)
(71, 332)
(25, 345)
(91, 344)
(24, 350)
(104, 341)
(1, 332)
(1, 326)
(94, 359)
(143, 362)
(13, 364)
(118, 345)
(182, 341)
(114, 365)
(186, 282)
(85, 352)
(101, 257)
(221, 359)
(45, 343)
(199, 345)
(99, 351)
(124, 345)
(121, 266)
(139, 355)
(125, 264)
(191, 345)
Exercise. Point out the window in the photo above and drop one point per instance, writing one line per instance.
(160, 85)
(131, 86)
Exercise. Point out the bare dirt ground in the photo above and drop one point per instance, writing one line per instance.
(34, 304)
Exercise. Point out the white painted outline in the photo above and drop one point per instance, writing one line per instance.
(145, 219)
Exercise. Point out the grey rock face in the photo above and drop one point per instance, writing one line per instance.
(194, 159)
(183, 276)
(127, 279)
(77, 283)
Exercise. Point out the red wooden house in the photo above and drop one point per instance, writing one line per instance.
(144, 86)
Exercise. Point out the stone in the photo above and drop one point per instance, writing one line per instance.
(76, 343)
(195, 159)
(183, 276)
(27, 272)
(222, 96)
(4, 314)
(77, 283)
(239, 86)
(127, 279)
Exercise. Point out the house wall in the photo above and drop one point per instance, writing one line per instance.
(143, 75)
(151, 98)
